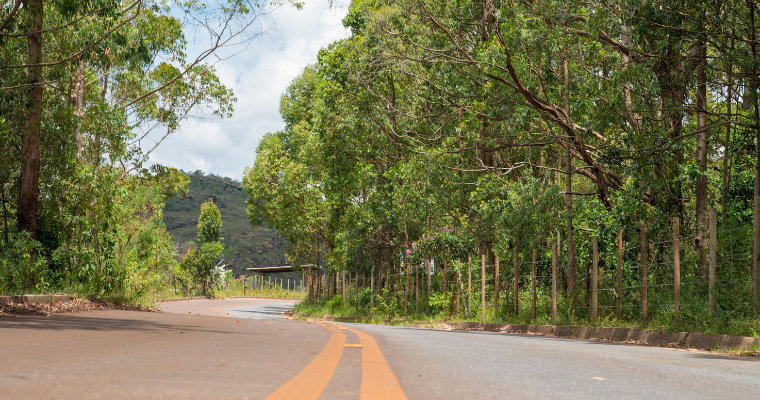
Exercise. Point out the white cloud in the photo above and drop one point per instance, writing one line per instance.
(258, 77)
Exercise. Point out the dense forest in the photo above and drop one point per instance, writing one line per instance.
(481, 130)
(617, 140)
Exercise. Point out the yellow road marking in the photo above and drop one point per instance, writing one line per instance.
(311, 382)
(378, 380)
(353, 345)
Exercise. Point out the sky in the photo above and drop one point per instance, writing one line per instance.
(258, 76)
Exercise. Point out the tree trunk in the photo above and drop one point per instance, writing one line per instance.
(78, 102)
(756, 213)
(30, 163)
(701, 184)
(727, 145)
(571, 264)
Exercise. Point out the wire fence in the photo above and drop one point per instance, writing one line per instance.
(677, 277)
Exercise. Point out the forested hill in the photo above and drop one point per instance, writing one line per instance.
(244, 245)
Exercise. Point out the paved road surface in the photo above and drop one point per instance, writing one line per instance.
(270, 309)
(253, 352)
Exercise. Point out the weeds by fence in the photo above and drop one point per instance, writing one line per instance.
(663, 283)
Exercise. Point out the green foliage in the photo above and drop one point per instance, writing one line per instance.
(209, 224)
(22, 267)
(203, 263)
(115, 78)
(364, 298)
(335, 304)
(245, 245)
(439, 302)
(449, 130)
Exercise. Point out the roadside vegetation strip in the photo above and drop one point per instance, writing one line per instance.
(312, 380)
(44, 305)
(696, 340)
(653, 337)
(378, 379)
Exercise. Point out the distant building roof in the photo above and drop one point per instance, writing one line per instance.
(283, 268)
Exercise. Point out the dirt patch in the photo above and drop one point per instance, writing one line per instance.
(73, 305)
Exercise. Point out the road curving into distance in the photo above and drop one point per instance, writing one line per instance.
(247, 349)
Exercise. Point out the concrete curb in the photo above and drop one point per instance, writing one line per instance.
(35, 299)
(695, 340)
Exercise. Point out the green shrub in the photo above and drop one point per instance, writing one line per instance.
(335, 304)
(23, 268)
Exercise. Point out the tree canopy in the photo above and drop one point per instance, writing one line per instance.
(88, 89)
(510, 124)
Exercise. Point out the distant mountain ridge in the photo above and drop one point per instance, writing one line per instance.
(245, 246)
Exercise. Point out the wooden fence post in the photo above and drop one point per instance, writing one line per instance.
(711, 274)
(398, 279)
(516, 272)
(619, 275)
(756, 253)
(533, 303)
(416, 287)
(644, 274)
(456, 290)
(594, 277)
(573, 272)
(445, 275)
(406, 291)
(554, 282)
(429, 275)
(469, 277)
(677, 267)
(483, 286)
(343, 289)
(496, 288)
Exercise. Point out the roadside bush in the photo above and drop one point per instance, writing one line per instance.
(335, 304)
(389, 304)
(439, 302)
(22, 267)
(364, 297)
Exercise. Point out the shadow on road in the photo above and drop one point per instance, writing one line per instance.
(90, 322)
(268, 310)
(712, 356)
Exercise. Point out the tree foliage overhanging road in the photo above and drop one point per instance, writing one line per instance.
(446, 129)
(88, 89)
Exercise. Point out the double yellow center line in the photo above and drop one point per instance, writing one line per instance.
(378, 380)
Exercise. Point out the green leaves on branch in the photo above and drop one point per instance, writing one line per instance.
(209, 223)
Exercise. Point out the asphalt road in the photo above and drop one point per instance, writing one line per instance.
(252, 351)
(247, 308)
